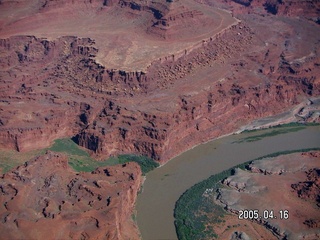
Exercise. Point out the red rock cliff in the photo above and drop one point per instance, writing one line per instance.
(257, 68)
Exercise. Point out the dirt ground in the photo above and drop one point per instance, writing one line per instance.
(285, 183)
(120, 35)
(232, 224)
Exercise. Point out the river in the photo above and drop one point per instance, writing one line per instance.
(164, 185)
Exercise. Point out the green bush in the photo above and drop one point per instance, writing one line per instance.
(80, 160)
(66, 145)
(146, 164)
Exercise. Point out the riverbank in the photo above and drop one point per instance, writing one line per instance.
(164, 185)
(296, 126)
(304, 114)
(197, 212)
(307, 111)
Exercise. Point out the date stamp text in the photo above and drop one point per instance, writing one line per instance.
(255, 214)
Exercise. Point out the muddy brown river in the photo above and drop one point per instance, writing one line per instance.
(164, 185)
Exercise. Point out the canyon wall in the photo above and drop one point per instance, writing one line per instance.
(199, 117)
(56, 89)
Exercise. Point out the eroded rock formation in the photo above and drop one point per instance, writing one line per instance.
(56, 88)
(309, 189)
(302, 8)
(45, 197)
(270, 185)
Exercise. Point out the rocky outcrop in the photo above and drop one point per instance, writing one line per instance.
(197, 114)
(46, 116)
(264, 192)
(292, 8)
(157, 8)
(239, 236)
(245, 3)
(302, 8)
(175, 23)
(62, 91)
(45, 196)
(49, 4)
(170, 19)
(310, 189)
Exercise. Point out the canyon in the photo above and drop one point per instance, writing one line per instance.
(152, 78)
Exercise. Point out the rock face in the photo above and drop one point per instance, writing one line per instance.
(45, 197)
(309, 189)
(292, 8)
(43, 115)
(56, 88)
(129, 34)
(239, 236)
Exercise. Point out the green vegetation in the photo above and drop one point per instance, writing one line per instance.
(294, 124)
(134, 217)
(191, 209)
(286, 125)
(276, 154)
(194, 210)
(66, 145)
(276, 130)
(80, 160)
(10, 159)
(85, 164)
(146, 164)
(269, 134)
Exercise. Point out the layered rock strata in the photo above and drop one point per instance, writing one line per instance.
(55, 89)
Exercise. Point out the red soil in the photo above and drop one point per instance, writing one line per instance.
(45, 198)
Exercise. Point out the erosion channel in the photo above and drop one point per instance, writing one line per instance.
(164, 185)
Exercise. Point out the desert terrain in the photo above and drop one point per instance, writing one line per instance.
(45, 198)
(129, 35)
(288, 182)
(149, 78)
